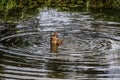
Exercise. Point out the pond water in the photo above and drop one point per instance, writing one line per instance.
(90, 49)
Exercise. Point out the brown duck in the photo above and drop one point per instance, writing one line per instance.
(55, 42)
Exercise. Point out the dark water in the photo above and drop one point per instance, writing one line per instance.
(90, 50)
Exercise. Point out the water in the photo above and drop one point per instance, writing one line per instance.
(90, 49)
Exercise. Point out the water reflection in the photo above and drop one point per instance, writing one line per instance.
(56, 67)
(90, 49)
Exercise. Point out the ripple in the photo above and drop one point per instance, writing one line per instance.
(90, 49)
(16, 35)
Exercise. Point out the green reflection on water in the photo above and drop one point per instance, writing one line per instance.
(15, 10)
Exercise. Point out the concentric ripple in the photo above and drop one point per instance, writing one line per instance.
(89, 52)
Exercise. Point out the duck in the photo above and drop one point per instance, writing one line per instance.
(55, 42)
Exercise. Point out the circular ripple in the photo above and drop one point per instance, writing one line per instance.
(87, 51)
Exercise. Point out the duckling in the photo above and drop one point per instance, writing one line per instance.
(55, 42)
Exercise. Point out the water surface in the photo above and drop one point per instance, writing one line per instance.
(90, 50)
